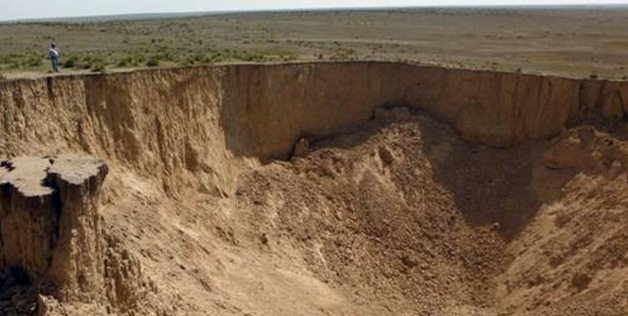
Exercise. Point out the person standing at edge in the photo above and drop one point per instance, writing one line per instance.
(53, 53)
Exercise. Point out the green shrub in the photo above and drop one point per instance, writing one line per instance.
(98, 68)
(70, 62)
(200, 58)
(97, 65)
(124, 62)
(83, 63)
(140, 59)
(152, 62)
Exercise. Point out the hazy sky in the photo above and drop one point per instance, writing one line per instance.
(26, 9)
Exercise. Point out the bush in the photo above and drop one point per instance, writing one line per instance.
(81, 65)
(152, 62)
(97, 65)
(98, 68)
(124, 62)
(84, 63)
(70, 62)
(138, 60)
(200, 58)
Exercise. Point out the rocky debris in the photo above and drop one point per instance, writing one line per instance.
(49, 223)
(582, 149)
(402, 209)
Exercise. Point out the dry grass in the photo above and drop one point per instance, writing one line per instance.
(566, 42)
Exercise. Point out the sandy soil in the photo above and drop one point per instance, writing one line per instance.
(395, 217)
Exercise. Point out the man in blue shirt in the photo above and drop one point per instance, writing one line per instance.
(53, 53)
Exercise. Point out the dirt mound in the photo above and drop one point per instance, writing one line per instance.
(405, 216)
(372, 218)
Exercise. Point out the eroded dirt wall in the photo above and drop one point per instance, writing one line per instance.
(167, 122)
(160, 123)
(268, 108)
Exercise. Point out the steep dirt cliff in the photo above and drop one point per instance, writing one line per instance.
(468, 193)
(135, 116)
(50, 224)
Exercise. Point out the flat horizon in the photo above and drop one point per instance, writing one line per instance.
(174, 14)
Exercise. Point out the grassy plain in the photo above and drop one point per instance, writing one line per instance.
(576, 42)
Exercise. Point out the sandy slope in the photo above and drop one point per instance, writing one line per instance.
(396, 217)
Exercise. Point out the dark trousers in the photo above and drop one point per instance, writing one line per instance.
(55, 64)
